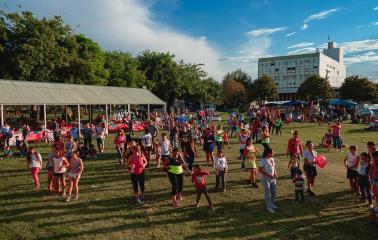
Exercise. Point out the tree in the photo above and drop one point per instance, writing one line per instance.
(359, 89)
(234, 93)
(123, 70)
(263, 89)
(315, 88)
(243, 78)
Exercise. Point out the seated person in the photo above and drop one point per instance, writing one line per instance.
(327, 140)
(92, 153)
(83, 151)
(7, 153)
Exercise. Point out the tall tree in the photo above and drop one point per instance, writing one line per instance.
(234, 93)
(263, 89)
(315, 88)
(359, 89)
(241, 77)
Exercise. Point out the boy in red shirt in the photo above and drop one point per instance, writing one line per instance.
(198, 178)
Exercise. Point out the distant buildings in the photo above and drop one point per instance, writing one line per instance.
(288, 72)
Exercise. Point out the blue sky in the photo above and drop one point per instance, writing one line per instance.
(224, 35)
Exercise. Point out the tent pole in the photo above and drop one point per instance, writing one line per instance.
(65, 107)
(148, 112)
(128, 109)
(165, 108)
(44, 116)
(106, 117)
(2, 115)
(78, 116)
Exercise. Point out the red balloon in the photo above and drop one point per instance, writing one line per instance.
(321, 161)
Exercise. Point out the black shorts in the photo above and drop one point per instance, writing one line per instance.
(58, 174)
(310, 170)
(352, 174)
(148, 149)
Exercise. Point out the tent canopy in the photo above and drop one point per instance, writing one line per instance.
(39, 93)
(294, 103)
(341, 102)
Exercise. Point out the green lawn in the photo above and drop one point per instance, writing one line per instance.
(105, 209)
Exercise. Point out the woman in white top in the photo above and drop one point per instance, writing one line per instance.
(60, 166)
(147, 144)
(351, 162)
(268, 179)
(309, 166)
(100, 138)
(221, 168)
(164, 149)
(34, 164)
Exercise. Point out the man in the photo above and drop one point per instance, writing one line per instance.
(183, 136)
(154, 132)
(294, 151)
(88, 133)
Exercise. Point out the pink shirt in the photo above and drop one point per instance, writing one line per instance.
(293, 145)
(136, 164)
(336, 130)
(119, 140)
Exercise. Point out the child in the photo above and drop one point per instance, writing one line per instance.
(7, 153)
(164, 149)
(60, 165)
(299, 186)
(250, 162)
(374, 177)
(309, 167)
(327, 140)
(226, 139)
(83, 151)
(363, 178)
(221, 168)
(269, 179)
(198, 178)
(74, 174)
(18, 143)
(278, 125)
(351, 164)
(70, 147)
(34, 163)
(92, 152)
(50, 168)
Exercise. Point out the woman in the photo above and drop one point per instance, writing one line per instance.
(25, 133)
(137, 163)
(164, 149)
(100, 137)
(269, 179)
(147, 144)
(7, 131)
(219, 137)
(34, 164)
(174, 166)
(208, 146)
(265, 138)
(60, 166)
(74, 174)
(309, 166)
(243, 136)
(250, 161)
(119, 141)
(190, 152)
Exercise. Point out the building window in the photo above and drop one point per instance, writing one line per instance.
(315, 67)
(276, 69)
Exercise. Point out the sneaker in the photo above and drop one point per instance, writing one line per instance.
(254, 185)
(139, 201)
(198, 205)
(271, 210)
(249, 181)
(68, 198)
(371, 206)
(376, 209)
(64, 194)
(274, 206)
(211, 207)
(76, 197)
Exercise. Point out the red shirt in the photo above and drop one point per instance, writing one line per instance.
(293, 146)
(136, 164)
(198, 178)
(119, 140)
(336, 130)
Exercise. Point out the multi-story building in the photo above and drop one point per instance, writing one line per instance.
(288, 72)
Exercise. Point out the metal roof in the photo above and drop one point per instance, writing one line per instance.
(38, 93)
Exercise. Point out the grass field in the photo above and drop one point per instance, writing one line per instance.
(105, 209)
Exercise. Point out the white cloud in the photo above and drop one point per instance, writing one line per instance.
(302, 50)
(290, 34)
(360, 46)
(130, 25)
(265, 31)
(301, 45)
(370, 56)
(374, 23)
(318, 16)
(376, 8)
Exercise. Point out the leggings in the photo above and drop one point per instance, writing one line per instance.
(120, 151)
(219, 145)
(34, 171)
(365, 187)
(137, 179)
(177, 182)
(220, 177)
(190, 161)
(204, 191)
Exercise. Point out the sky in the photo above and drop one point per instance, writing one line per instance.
(224, 35)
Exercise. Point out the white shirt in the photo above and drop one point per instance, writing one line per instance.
(147, 140)
(58, 163)
(164, 147)
(310, 157)
(35, 161)
(351, 161)
(268, 167)
(220, 163)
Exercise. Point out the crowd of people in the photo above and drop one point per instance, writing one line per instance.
(175, 149)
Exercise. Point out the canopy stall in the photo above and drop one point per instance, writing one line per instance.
(44, 94)
(294, 103)
(341, 102)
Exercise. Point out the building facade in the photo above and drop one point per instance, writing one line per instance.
(288, 72)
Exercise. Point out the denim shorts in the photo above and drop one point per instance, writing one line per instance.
(374, 181)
